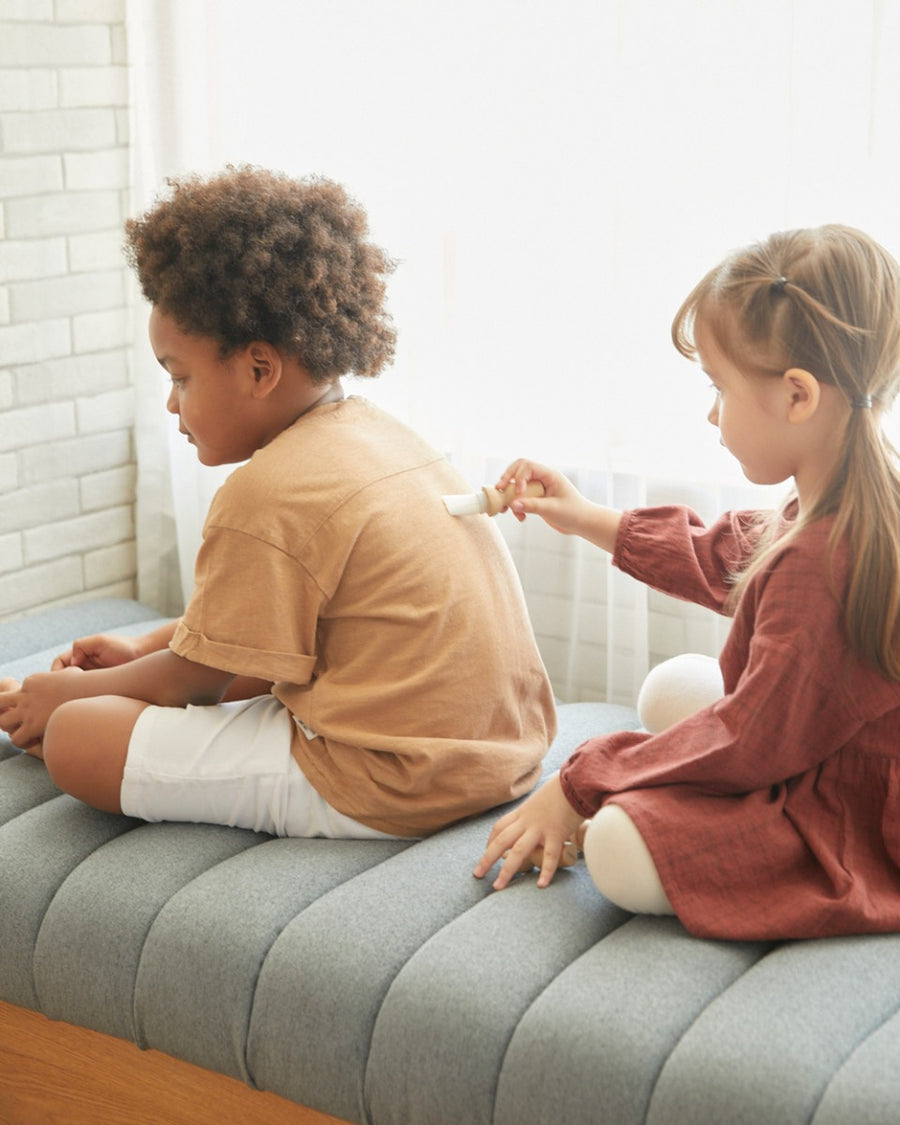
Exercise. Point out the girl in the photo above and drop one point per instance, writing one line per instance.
(774, 811)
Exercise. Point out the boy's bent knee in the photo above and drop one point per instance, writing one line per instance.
(85, 746)
(621, 865)
(65, 730)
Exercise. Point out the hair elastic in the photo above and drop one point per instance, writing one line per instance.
(778, 285)
(862, 402)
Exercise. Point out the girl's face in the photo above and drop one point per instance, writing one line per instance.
(211, 396)
(749, 413)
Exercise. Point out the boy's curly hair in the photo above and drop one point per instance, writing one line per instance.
(250, 254)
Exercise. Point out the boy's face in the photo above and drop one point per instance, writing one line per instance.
(212, 397)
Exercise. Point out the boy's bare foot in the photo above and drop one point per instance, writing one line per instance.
(36, 748)
(8, 684)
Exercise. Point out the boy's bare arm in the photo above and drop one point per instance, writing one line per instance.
(108, 650)
(105, 650)
(162, 678)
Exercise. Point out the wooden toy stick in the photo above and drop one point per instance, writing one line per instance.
(488, 501)
(497, 501)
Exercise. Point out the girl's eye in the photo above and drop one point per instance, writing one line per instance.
(177, 382)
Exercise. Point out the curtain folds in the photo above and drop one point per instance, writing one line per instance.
(173, 110)
(552, 180)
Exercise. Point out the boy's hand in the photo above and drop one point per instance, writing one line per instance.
(100, 651)
(7, 687)
(544, 820)
(25, 708)
(562, 506)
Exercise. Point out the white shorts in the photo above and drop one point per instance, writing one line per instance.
(227, 764)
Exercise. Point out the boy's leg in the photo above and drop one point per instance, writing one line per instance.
(225, 764)
(85, 746)
(228, 763)
(621, 865)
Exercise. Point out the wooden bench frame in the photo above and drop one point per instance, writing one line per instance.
(52, 1072)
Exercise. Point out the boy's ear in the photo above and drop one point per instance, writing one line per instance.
(266, 365)
(804, 393)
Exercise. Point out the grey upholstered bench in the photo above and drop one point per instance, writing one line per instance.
(380, 982)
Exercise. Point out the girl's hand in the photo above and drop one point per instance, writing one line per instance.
(562, 506)
(544, 820)
(100, 651)
(25, 708)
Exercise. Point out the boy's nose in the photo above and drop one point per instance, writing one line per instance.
(713, 416)
(172, 402)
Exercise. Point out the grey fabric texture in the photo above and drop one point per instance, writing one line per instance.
(201, 965)
(39, 851)
(56, 630)
(611, 1020)
(378, 981)
(93, 933)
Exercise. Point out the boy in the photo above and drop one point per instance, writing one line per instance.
(407, 691)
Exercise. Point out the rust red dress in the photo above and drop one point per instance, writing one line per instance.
(774, 813)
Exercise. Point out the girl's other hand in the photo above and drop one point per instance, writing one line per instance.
(544, 820)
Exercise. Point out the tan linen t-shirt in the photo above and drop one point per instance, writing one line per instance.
(395, 633)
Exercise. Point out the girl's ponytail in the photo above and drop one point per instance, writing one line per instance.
(866, 502)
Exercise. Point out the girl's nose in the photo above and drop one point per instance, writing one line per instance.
(713, 416)
(172, 402)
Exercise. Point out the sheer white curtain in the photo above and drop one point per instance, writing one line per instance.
(171, 126)
(552, 178)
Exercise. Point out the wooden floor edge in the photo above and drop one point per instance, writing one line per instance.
(53, 1072)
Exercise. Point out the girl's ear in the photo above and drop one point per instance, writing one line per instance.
(804, 392)
(266, 365)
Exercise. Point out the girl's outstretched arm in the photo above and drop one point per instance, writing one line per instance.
(562, 506)
(544, 820)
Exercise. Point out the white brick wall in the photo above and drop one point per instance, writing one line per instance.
(67, 468)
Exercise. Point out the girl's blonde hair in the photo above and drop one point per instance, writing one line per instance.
(826, 300)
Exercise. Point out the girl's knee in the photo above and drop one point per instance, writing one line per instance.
(621, 865)
(677, 688)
